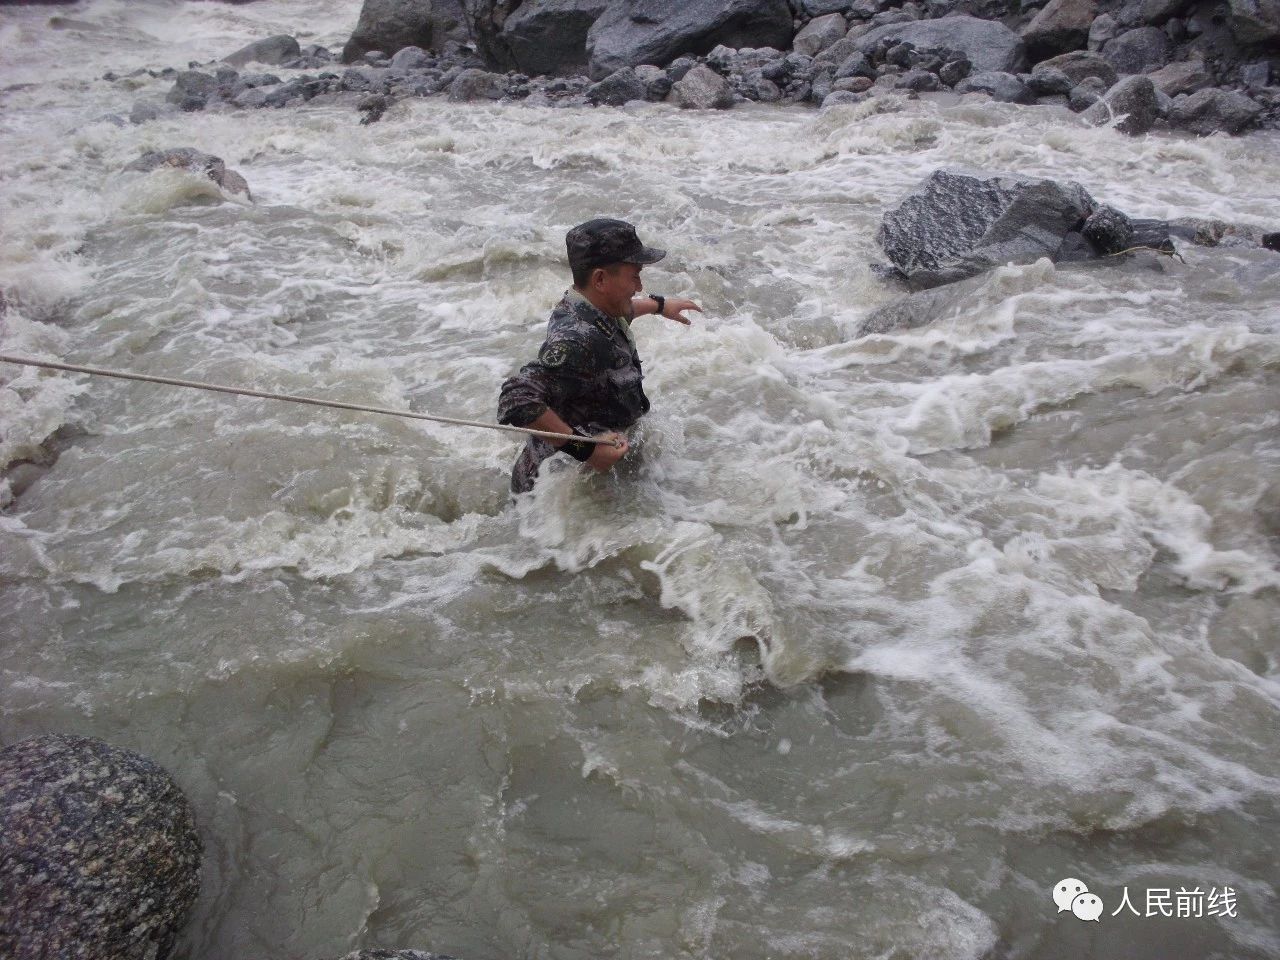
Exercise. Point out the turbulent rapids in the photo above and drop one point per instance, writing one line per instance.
(875, 640)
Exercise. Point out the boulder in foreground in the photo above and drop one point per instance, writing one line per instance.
(99, 855)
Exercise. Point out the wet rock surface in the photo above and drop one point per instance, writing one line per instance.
(1080, 54)
(188, 158)
(961, 223)
(99, 855)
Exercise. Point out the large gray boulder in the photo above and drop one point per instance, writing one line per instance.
(99, 855)
(389, 25)
(550, 36)
(988, 45)
(1138, 51)
(273, 50)
(1061, 25)
(1256, 21)
(959, 223)
(1213, 111)
(1134, 99)
(632, 32)
(702, 89)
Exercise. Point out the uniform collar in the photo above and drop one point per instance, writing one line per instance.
(573, 296)
(622, 323)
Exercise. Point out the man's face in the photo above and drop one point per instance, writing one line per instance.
(617, 284)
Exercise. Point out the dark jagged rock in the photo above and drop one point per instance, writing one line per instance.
(856, 65)
(1212, 111)
(657, 31)
(390, 25)
(960, 224)
(373, 107)
(1108, 230)
(1134, 98)
(656, 82)
(1060, 26)
(953, 71)
(550, 36)
(99, 855)
(921, 81)
(702, 89)
(988, 45)
(192, 90)
(188, 158)
(621, 86)
(273, 50)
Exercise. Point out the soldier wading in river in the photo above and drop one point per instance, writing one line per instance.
(587, 377)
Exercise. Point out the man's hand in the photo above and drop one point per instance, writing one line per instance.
(675, 307)
(607, 454)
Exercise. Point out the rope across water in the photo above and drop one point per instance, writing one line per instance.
(293, 398)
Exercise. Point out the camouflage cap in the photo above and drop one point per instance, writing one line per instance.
(601, 242)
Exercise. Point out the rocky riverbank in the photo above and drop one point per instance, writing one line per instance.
(1201, 66)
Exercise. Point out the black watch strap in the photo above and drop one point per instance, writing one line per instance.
(661, 301)
(578, 449)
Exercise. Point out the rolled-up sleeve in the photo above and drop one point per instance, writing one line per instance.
(563, 372)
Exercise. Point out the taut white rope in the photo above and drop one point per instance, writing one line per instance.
(291, 398)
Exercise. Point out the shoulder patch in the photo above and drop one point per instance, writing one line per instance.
(554, 355)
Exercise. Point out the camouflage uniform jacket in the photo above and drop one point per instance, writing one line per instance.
(587, 371)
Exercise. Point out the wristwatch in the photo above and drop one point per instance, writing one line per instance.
(578, 449)
(661, 301)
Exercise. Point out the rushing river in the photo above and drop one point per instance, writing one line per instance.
(874, 642)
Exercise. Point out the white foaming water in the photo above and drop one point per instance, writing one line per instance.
(873, 642)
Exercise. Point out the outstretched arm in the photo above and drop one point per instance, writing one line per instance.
(672, 309)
